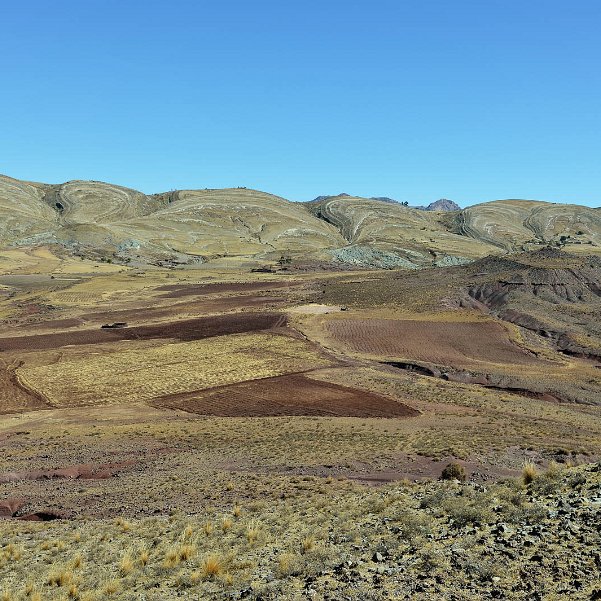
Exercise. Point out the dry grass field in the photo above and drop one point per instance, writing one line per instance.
(166, 369)
(251, 435)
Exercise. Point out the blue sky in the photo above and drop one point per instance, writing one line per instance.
(417, 100)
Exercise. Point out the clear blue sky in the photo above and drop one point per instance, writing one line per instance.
(470, 100)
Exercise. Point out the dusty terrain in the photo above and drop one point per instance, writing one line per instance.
(280, 435)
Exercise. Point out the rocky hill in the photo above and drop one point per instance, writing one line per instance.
(100, 220)
(443, 204)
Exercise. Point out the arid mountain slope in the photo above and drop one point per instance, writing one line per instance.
(512, 224)
(101, 220)
(408, 237)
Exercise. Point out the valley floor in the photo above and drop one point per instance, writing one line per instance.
(281, 436)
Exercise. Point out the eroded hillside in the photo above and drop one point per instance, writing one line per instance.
(103, 221)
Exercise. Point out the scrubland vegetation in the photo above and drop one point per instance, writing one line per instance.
(324, 539)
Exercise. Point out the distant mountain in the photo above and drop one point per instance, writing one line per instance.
(108, 222)
(443, 204)
(326, 196)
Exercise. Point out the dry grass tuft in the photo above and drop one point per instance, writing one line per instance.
(111, 587)
(143, 557)
(60, 578)
(252, 533)
(308, 544)
(77, 561)
(212, 566)
(127, 564)
(529, 472)
(289, 564)
(177, 554)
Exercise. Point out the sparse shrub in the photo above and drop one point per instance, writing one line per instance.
(526, 512)
(237, 511)
(463, 511)
(412, 524)
(576, 480)
(550, 480)
(435, 499)
(226, 524)
(453, 471)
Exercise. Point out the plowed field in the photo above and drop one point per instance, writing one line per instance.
(460, 344)
(179, 290)
(286, 395)
(185, 330)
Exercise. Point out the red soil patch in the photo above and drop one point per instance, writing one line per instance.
(185, 330)
(286, 395)
(179, 290)
(14, 397)
(9, 507)
(459, 344)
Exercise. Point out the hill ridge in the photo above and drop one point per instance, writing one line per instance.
(103, 220)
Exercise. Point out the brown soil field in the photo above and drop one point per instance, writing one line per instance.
(52, 324)
(179, 290)
(286, 395)
(198, 307)
(15, 397)
(458, 344)
(184, 330)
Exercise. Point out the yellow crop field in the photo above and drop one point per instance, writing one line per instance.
(130, 376)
